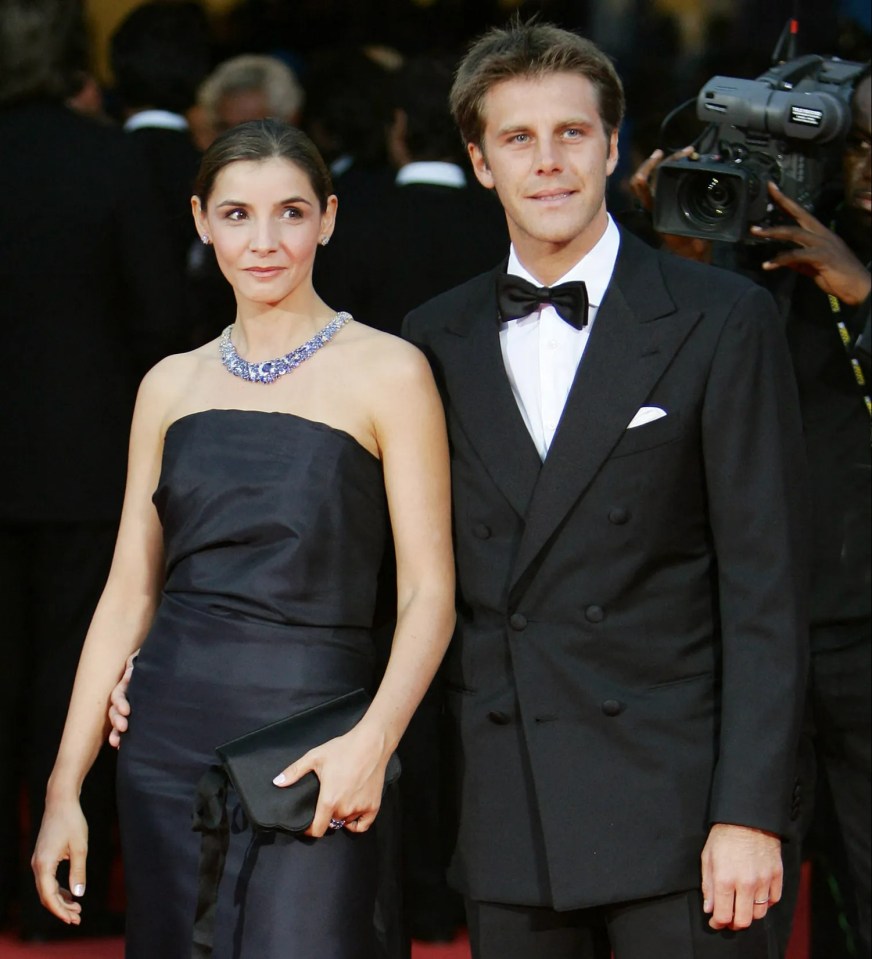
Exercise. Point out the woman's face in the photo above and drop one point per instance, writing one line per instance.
(265, 222)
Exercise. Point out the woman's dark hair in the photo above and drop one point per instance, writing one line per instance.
(263, 140)
(530, 50)
(43, 49)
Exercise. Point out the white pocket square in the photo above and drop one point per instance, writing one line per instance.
(646, 414)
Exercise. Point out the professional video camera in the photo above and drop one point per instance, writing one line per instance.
(787, 125)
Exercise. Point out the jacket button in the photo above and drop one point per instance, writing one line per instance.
(594, 614)
(611, 707)
(618, 515)
(517, 621)
(499, 718)
(481, 531)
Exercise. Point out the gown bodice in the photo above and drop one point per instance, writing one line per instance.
(271, 516)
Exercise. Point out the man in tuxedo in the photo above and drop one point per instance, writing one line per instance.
(626, 679)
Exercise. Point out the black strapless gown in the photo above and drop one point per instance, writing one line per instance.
(274, 528)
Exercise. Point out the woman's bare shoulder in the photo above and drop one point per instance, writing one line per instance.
(172, 377)
(389, 355)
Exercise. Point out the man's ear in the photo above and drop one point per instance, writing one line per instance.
(479, 166)
(612, 161)
(396, 139)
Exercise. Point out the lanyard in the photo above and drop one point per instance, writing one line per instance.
(845, 337)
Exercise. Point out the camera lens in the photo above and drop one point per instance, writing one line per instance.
(710, 199)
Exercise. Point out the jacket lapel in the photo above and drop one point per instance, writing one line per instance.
(635, 336)
(480, 396)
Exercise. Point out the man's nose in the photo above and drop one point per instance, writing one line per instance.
(548, 159)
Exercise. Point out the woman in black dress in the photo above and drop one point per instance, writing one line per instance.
(258, 497)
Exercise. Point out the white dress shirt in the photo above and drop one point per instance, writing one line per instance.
(156, 118)
(431, 172)
(541, 351)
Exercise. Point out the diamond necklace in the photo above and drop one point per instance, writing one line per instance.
(270, 370)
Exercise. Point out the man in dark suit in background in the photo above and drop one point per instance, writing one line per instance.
(89, 299)
(428, 231)
(160, 54)
(819, 276)
(625, 683)
(823, 283)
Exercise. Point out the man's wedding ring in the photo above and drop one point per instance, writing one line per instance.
(757, 902)
(337, 823)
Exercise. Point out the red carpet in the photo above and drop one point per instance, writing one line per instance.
(10, 948)
(114, 949)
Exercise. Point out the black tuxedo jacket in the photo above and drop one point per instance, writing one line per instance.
(90, 298)
(629, 659)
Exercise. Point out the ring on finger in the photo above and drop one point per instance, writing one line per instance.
(761, 902)
(336, 823)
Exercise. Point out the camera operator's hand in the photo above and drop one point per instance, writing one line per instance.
(643, 185)
(818, 253)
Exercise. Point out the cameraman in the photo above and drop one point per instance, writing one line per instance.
(824, 295)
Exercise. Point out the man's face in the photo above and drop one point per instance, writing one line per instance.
(857, 161)
(545, 152)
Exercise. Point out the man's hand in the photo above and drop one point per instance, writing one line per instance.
(643, 185)
(119, 707)
(741, 875)
(818, 253)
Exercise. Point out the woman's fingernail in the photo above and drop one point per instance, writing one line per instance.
(279, 780)
(79, 889)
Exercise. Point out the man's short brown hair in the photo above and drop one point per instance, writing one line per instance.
(530, 50)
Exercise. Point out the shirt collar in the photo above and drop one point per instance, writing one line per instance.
(595, 268)
(156, 118)
(433, 172)
(341, 164)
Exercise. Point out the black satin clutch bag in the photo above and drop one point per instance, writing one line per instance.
(249, 763)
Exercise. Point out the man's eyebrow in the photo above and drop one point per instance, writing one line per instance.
(561, 125)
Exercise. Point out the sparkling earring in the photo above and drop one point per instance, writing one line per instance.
(324, 240)
(205, 238)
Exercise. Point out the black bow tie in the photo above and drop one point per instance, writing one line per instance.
(516, 298)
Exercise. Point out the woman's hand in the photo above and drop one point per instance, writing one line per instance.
(63, 835)
(351, 770)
